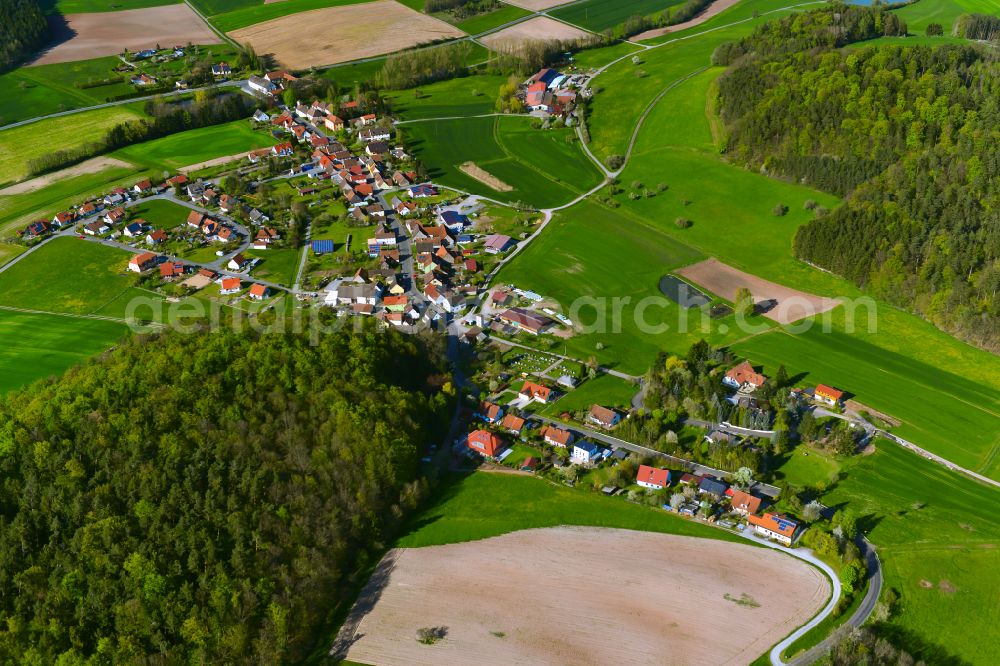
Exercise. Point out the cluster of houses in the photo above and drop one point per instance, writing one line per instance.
(551, 93)
(744, 379)
(98, 215)
(271, 84)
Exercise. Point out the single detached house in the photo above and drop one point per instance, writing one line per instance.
(585, 452)
(774, 526)
(532, 391)
(557, 436)
(744, 377)
(604, 417)
(744, 503)
(484, 443)
(828, 394)
(652, 477)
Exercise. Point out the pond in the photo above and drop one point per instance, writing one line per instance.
(682, 293)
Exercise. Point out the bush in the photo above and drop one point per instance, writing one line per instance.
(431, 635)
(615, 162)
(780, 210)
(683, 223)
(934, 30)
(810, 204)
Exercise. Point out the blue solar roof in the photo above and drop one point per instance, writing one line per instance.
(322, 246)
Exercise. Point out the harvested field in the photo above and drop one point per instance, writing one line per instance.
(92, 165)
(107, 33)
(522, 598)
(540, 28)
(338, 34)
(483, 176)
(536, 5)
(715, 8)
(724, 280)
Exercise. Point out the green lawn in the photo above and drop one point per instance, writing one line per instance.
(194, 146)
(33, 346)
(17, 210)
(21, 144)
(66, 275)
(806, 467)
(483, 505)
(160, 214)
(605, 390)
(468, 96)
(931, 525)
(599, 15)
(541, 166)
(483, 22)
(258, 13)
(278, 265)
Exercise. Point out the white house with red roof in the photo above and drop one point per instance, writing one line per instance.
(652, 477)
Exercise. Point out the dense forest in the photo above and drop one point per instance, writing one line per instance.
(910, 135)
(23, 30)
(206, 498)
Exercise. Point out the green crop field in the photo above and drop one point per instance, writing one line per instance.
(197, 145)
(541, 166)
(247, 16)
(599, 15)
(94, 6)
(18, 210)
(483, 22)
(466, 510)
(35, 346)
(919, 14)
(160, 214)
(21, 144)
(66, 275)
(601, 56)
(935, 527)
(468, 96)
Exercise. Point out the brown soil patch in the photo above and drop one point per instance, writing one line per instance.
(724, 280)
(538, 29)
(483, 176)
(336, 34)
(107, 33)
(947, 587)
(586, 596)
(214, 162)
(536, 5)
(855, 406)
(926, 584)
(89, 166)
(713, 9)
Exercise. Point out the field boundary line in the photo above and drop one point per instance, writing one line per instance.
(71, 315)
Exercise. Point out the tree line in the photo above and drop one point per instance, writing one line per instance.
(908, 135)
(23, 30)
(209, 497)
(164, 119)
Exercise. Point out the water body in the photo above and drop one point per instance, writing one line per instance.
(682, 293)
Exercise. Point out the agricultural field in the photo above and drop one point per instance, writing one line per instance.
(541, 167)
(247, 16)
(601, 15)
(540, 28)
(467, 588)
(937, 534)
(35, 346)
(490, 20)
(918, 14)
(8, 251)
(93, 6)
(468, 96)
(389, 27)
(194, 146)
(602, 55)
(66, 275)
(22, 144)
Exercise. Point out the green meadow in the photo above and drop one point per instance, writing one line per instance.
(277, 265)
(94, 6)
(467, 96)
(606, 390)
(937, 535)
(544, 167)
(601, 56)
(918, 14)
(599, 15)
(483, 22)
(35, 346)
(193, 146)
(66, 275)
(8, 251)
(258, 13)
(18, 145)
(466, 509)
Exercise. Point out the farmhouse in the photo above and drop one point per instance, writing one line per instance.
(744, 377)
(142, 262)
(774, 526)
(535, 392)
(828, 394)
(525, 320)
(557, 436)
(744, 503)
(484, 443)
(604, 417)
(585, 452)
(652, 477)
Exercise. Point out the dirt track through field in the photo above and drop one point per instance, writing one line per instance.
(92, 165)
(337, 34)
(715, 8)
(724, 280)
(107, 33)
(473, 170)
(540, 28)
(584, 596)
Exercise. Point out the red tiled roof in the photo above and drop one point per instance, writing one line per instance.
(742, 501)
(536, 391)
(775, 523)
(745, 374)
(484, 442)
(828, 392)
(653, 476)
